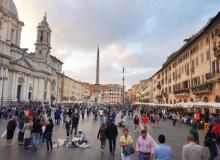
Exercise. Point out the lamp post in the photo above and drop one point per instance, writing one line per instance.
(123, 89)
(3, 78)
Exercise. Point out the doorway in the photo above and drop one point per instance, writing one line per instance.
(19, 93)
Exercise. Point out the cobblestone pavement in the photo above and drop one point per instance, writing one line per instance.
(176, 137)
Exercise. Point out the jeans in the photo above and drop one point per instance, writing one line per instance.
(213, 151)
(142, 156)
(35, 140)
(49, 141)
(174, 122)
(67, 132)
(26, 142)
(112, 144)
(123, 157)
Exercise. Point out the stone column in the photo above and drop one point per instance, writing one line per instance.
(5, 95)
(48, 91)
(1, 81)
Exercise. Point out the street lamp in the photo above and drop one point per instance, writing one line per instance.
(3, 78)
(123, 91)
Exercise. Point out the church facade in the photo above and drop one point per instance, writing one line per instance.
(24, 76)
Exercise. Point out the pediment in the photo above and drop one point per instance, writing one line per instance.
(23, 62)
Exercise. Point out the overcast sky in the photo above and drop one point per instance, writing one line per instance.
(137, 34)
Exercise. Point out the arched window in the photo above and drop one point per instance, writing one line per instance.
(185, 100)
(191, 100)
(174, 101)
(180, 100)
(206, 99)
(217, 99)
(170, 101)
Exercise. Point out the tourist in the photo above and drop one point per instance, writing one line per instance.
(145, 146)
(113, 115)
(27, 132)
(75, 123)
(174, 117)
(157, 120)
(193, 131)
(125, 141)
(67, 126)
(49, 133)
(163, 151)
(21, 131)
(210, 139)
(192, 151)
(112, 133)
(36, 132)
(83, 113)
(212, 119)
(102, 136)
(64, 115)
(206, 122)
(136, 123)
(57, 115)
(10, 130)
(217, 132)
(144, 120)
(206, 151)
(178, 119)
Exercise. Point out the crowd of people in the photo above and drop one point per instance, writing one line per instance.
(36, 123)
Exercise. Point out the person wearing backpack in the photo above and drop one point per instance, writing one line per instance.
(102, 136)
(210, 142)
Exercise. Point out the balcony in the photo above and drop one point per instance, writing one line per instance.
(183, 92)
(164, 94)
(213, 77)
(205, 88)
(158, 86)
(159, 96)
(216, 43)
(208, 76)
(216, 51)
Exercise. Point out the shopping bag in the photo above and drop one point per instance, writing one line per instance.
(128, 150)
(4, 134)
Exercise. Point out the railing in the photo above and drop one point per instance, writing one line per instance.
(202, 89)
(186, 90)
(159, 86)
(159, 96)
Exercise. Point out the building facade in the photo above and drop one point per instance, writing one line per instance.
(112, 93)
(191, 74)
(72, 91)
(146, 91)
(26, 76)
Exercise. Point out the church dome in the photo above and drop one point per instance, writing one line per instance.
(9, 5)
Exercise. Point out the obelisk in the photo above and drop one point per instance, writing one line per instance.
(97, 86)
(97, 67)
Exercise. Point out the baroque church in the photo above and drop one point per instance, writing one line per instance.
(26, 77)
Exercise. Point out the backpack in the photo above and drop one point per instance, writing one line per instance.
(208, 141)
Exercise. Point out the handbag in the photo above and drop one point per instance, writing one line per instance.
(4, 134)
(128, 150)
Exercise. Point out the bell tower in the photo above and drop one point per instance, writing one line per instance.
(42, 45)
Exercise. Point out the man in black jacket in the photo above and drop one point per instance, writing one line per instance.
(36, 131)
(75, 123)
(112, 133)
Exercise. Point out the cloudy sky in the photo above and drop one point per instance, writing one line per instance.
(137, 34)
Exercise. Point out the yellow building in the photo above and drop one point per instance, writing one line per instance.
(146, 90)
(71, 90)
(192, 72)
(112, 93)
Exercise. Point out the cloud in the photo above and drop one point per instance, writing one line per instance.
(137, 34)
